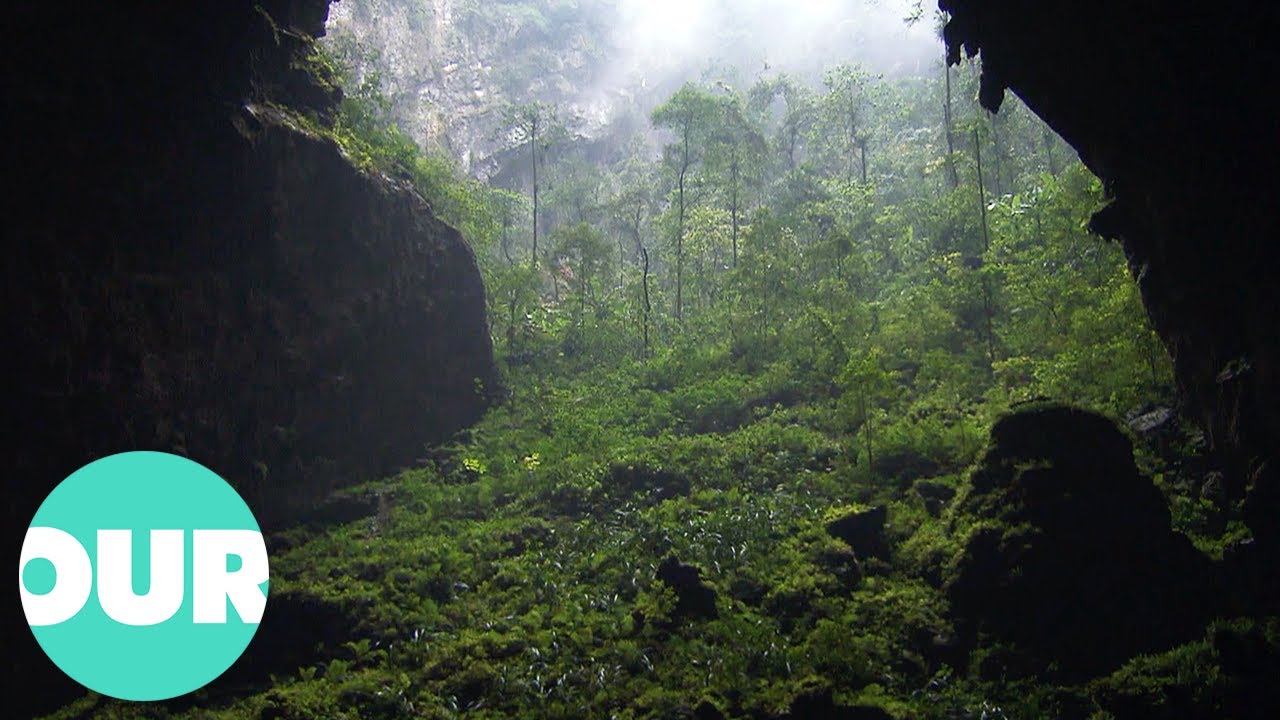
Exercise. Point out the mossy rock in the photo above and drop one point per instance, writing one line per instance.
(1068, 556)
(861, 528)
(1229, 673)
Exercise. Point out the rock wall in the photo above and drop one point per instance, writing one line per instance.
(191, 270)
(448, 68)
(1170, 104)
(194, 270)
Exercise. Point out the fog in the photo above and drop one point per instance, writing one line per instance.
(648, 48)
(657, 45)
(657, 39)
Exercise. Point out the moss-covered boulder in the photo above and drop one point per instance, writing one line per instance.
(863, 529)
(694, 599)
(1068, 564)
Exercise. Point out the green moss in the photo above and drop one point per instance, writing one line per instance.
(1219, 676)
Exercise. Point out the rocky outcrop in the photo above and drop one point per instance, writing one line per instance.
(863, 531)
(694, 599)
(935, 494)
(1069, 565)
(194, 269)
(449, 68)
(198, 270)
(1167, 102)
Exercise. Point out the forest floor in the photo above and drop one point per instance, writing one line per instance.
(653, 540)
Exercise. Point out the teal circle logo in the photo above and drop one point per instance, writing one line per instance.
(143, 576)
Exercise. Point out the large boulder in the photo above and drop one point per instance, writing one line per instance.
(1069, 561)
(863, 531)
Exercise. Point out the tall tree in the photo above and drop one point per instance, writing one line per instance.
(737, 149)
(577, 193)
(842, 110)
(987, 308)
(948, 123)
(530, 123)
(632, 202)
(797, 115)
(583, 253)
(688, 114)
(506, 206)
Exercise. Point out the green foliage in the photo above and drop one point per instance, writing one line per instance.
(1202, 679)
(839, 340)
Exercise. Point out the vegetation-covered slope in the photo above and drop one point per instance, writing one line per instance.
(519, 573)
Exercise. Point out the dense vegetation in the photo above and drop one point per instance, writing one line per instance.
(808, 302)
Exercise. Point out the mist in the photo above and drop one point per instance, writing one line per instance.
(657, 45)
(446, 71)
(658, 39)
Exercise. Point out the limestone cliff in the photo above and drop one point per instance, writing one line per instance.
(449, 67)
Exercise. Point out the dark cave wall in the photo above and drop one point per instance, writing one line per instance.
(1170, 103)
(191, 271)
(309, 326)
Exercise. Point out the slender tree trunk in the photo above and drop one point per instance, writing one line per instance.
(680, 256)
(1048, 151)
(982, 193)
(953, 176)
(684, 169)
(648, 309)
(995, 144)
(533, 156)
(733, 209)
(511, 323)
(635, 228)
(866, 427)
(987, 310)
(862, 147)
(853, 131)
